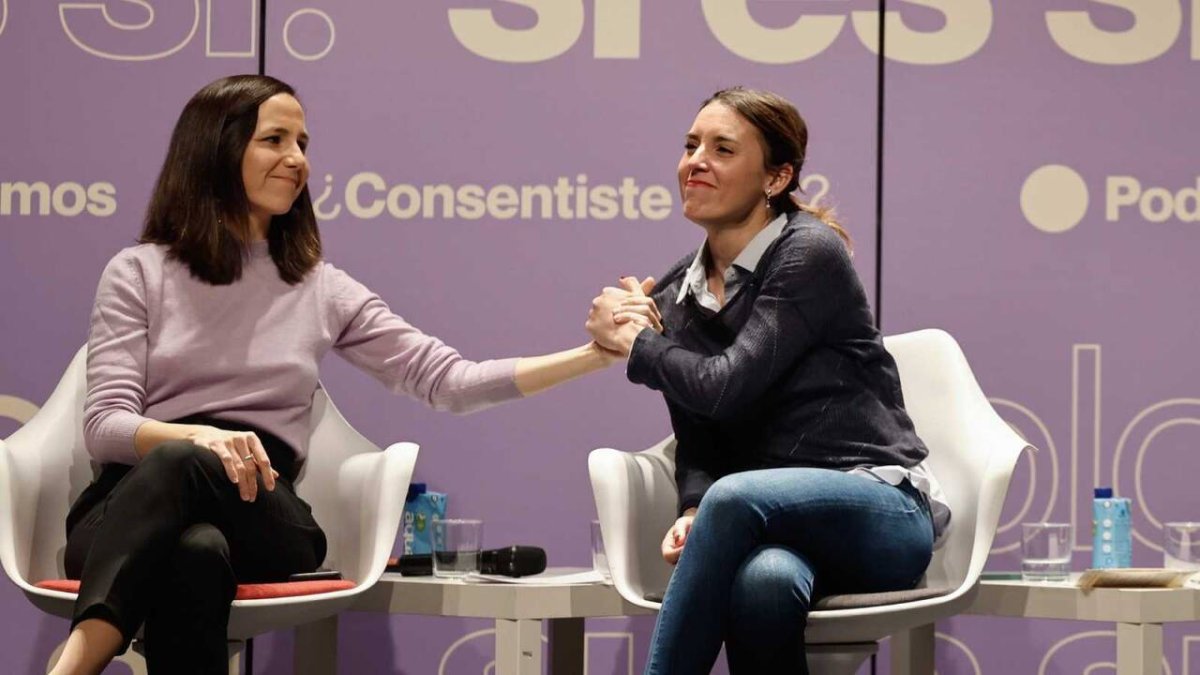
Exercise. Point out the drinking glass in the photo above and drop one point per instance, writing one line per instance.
(456, 546)
(599, 557)
(1181, 546)
(1045, 551)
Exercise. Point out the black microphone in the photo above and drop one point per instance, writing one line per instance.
(513, 561)
(510, 561)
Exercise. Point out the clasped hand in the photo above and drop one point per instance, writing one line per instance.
(242, 455)
(676, 537)
(619, 314)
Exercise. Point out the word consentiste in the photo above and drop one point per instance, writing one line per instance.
(368, 195)
(965, 27)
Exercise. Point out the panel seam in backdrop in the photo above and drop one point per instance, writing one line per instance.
(879, 65)
(262, 37)
(248, 658)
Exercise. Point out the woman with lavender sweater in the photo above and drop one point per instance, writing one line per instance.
(202, 362)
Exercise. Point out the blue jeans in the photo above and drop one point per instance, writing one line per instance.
(763, 546)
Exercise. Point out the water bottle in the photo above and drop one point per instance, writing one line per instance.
(1112, 537)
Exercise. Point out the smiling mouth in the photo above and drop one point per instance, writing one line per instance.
(697, 183)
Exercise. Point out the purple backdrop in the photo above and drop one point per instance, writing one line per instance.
(405, 96)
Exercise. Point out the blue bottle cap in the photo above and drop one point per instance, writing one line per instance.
(415, 489)
(1104, 493)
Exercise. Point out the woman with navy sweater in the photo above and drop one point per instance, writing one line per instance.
(799, 472)
(202, 363)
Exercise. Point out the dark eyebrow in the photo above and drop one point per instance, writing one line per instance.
(719, 139)
(284, 131)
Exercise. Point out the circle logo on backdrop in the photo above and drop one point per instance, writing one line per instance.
(15, 408)
(1054, 198)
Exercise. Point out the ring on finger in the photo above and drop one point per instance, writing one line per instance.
(247, 458)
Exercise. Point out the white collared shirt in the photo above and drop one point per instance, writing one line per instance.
(695, 280)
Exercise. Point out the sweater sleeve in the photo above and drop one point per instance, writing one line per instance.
(408, 361)
(802, 290)
(116, 363)
(695, 458)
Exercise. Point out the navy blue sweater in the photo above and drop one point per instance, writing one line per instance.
(790, 373)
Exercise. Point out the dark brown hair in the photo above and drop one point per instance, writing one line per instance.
(199, 208)
(785, 139)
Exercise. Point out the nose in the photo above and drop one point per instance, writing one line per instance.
(294, 158)
(698, 159)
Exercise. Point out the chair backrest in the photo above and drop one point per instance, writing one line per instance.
(972, 451)
(45, 466)
(332, 442)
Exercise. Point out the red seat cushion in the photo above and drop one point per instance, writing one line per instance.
(289, 589)
(64, 585)
(285, 589)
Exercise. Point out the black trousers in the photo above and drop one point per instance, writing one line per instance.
(166, 542)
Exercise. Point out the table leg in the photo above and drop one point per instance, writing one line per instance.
(518, 647)
(912, 651)
(1139, 648)
(566, 646)
(315, 648)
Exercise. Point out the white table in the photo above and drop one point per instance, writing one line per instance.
(518, 610)
(1138, 612)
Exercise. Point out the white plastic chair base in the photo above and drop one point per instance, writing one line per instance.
(839, 659)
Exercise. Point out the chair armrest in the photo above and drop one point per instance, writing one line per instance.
(1007, 449)
(371, 488)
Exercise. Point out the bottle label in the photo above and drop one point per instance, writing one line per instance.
(1112, 534)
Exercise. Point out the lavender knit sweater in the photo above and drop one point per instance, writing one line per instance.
(164, 345)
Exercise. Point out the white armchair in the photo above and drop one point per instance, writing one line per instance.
(972, 452)
(356, 492)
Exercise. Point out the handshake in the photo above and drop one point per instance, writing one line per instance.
(619, 314)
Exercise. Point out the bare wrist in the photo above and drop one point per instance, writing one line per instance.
(194, 430)
(596, 355)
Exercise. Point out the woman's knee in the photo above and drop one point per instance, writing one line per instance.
(729, 496)
(774, 584)
(204, 540)
(203, 549)
(769, 612)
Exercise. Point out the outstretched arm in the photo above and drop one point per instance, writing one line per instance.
(409, 361)
(538, 373)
